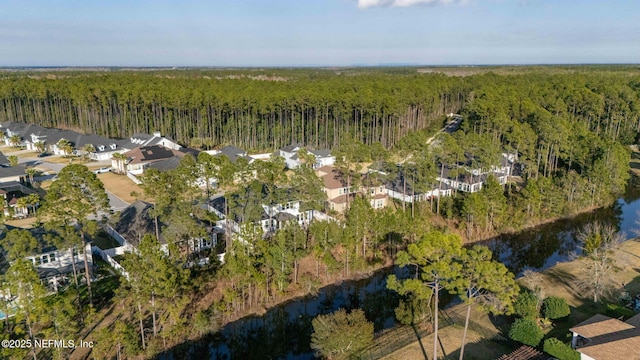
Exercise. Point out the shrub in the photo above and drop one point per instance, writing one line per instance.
(526, 331)
(555, 307)
(560, 350)
(526, 305)
(616, 311)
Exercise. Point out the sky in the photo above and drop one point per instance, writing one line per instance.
(317, 32)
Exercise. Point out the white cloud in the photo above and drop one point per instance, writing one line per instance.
(365, 4)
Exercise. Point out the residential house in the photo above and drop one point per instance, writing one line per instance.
(465, 178)
(603, 338)
(143, 139)
(134, 222)
(404, 190)
(323, 158)
(10, 192)
(52, 264)
(233, 154)
(21, 130)
(14, 174)
(339, 192)
(30, 135)
(467, 182)
(290, 155)
(373, 189)
(104, 148)
(293, 161)
(268, 218)
(140, 158)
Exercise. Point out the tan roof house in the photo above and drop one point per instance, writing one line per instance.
(603, 338)
(335, 186)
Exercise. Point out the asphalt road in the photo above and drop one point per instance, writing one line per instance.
(115, 202)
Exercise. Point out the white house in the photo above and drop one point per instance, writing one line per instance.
(292, 159)
(135, 222)
(290, 155)
(323, 158)
(281, 214)
(400, 189)
(272, 218)
(52, 264)
(142, 139)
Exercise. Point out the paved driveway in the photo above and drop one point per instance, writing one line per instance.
(115, 202)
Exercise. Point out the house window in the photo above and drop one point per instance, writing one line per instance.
(38, 261)
(45, 259)
(52, 257)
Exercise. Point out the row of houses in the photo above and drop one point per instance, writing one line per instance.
(386, 181)
(39, 138)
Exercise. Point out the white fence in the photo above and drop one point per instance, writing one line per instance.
(133, 178)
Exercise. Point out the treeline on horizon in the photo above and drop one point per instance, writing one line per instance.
(268, 109)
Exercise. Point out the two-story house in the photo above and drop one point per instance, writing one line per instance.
(53, 264)
(135, 221)
(140, 158)
(337, 188)
(292, 159)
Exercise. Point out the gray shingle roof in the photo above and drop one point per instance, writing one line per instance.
(321, 153)
(12, 171)
(166, 164)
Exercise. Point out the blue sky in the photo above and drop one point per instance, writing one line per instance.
(317, 32)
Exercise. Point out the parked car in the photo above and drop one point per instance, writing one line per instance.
(44, 154)
(102, 170)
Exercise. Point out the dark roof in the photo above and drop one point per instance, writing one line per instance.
(142, 136)
(12, 171)
(151, 153)
(290, 148)
(135, 222)
(233, 153)
(232, 150)
(39, 233)
(284, 216)
(166, 164)
(219, 203)
(3, 160)
(96, 141)
(191, 151)
(52, 136)
(321, 153)
(466, 177)
(399, 185)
